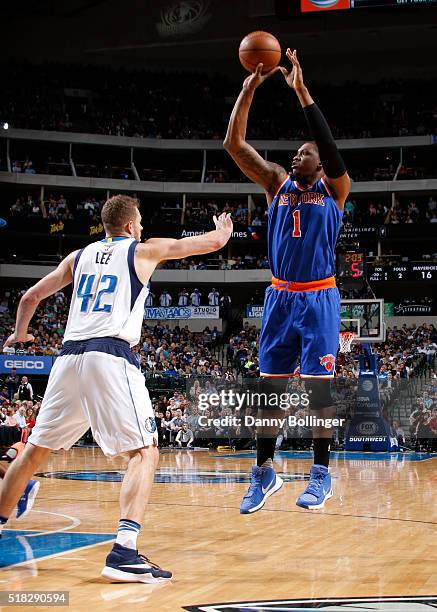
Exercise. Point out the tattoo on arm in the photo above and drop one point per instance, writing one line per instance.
(266, 174)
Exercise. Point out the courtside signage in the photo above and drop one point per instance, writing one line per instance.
(25, 364)
(182, 312)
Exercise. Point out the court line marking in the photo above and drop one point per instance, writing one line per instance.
(7, 567)
(382, 518)
(311, 513)
(74, 523)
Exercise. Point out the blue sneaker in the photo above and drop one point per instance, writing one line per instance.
(319, 489)
(27, 500)
(264, 483)
(126, 565)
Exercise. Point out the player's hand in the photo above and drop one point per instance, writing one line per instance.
(14, 338)
(224, 224)
(255, 79)
(293, 77)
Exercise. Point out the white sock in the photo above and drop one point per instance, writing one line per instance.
(127, 533)
(268, 463)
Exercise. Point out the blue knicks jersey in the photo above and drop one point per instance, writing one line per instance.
(303, 229)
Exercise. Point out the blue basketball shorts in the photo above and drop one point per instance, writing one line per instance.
(303, 324)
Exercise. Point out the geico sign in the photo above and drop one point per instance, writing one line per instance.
(24, 363)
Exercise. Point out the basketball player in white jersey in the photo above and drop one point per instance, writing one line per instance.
(96, 381)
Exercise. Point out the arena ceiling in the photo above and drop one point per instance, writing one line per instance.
(204, 34)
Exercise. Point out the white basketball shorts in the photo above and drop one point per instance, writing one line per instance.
(96, 383)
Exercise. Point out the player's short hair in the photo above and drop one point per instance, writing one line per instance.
(117, 211)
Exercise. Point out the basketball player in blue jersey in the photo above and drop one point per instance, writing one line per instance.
(96, 381)
(302, 305)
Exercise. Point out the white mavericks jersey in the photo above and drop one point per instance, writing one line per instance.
(108, 297)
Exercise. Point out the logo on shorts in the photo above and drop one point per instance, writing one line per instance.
(328, 361)
(150, 425)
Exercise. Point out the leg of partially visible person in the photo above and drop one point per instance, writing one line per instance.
(2, 472)
(59, 424)
(17, 478)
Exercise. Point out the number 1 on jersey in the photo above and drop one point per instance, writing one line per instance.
(296, 224)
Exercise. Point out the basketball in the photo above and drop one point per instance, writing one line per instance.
(259, 47)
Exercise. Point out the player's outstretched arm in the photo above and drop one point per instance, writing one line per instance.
(332, 162)
(260, 171)
(50, 284)
(161, 249)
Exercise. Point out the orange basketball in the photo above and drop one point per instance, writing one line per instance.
(259, 47)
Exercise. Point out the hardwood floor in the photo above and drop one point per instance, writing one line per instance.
(376, 537)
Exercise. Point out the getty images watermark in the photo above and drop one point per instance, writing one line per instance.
(217, 413)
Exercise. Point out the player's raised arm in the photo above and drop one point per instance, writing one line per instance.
(161, 249)
(332, 162)
(50, 284)
(266, 174)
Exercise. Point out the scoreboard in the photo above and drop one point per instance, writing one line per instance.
(341, 5)
(351, 265)
(408, 271)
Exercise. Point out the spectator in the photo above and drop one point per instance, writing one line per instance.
(213, 297)
(195, 297)
(30, 418)
(25, 391)
(176, 424)
(150, 300)
(183, 298)
(165, 299)
(166, 428)
(11, 420)
(185, 437)
(225, 305)
(20, 417)
(12, 381)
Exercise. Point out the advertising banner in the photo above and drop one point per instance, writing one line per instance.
(182, 312)
(254, 312)
(25, 364)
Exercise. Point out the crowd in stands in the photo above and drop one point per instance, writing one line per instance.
(382, 213)
(190, 168)
(248, 261)
(198, 214)
(152, 105)
(19, 408)
(48, 324)
(56, 208)
(193, 297)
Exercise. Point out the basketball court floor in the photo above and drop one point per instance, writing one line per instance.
(373, 546)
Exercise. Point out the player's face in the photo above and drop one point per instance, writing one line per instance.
(306, 162)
